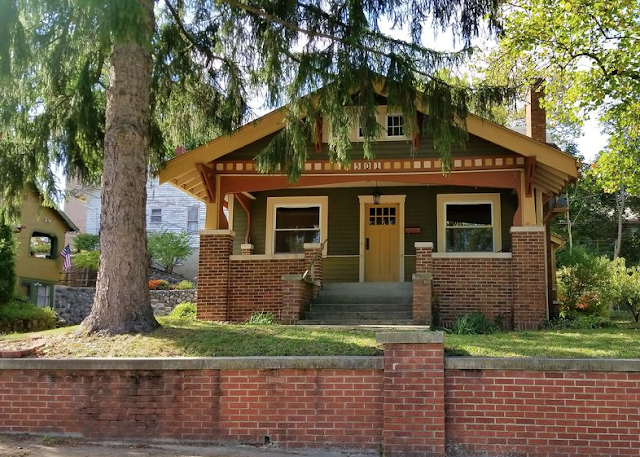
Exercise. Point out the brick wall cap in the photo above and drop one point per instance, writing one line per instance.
(422, 276)
(197, 363)
(246, 246)
(265, 257)
(410, 337)
(423, 244)
(471, 255)
(292, 277)
(531, 228)
(541, 364)
(217, 232)
(311, 246)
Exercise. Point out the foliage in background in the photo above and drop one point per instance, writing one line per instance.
(87, 259)
(20, 315)
(473, 324)
(168, 248)
(185, 310)
(261, 318)
(7, 263)
(184, 285)
(85, 242)
(592, 221)
(588, 51)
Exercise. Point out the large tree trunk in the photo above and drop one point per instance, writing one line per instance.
(122, 303)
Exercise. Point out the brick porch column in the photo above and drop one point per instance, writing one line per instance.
(528, 251)
(423, 283)
(213, 274)
(414, 416)
(296, 297)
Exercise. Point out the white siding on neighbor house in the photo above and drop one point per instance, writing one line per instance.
(174, 205)
(174, 217)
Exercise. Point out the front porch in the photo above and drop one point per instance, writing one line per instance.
(510, 287)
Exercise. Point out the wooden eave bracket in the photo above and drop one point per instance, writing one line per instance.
(529, 174)
(208, 176)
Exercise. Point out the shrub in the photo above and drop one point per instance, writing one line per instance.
(584, 284)
(85, 242)
(473, 324)
(87, 259)
(262, 318)
(158, 284)
(167, 248)
(20, 315)
(625, 287)
(7, 264)
(580, 323)
(184, 285)
(186, 310)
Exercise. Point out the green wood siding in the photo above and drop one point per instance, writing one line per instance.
(344, 215)
(341, 269)
(475, 147)
(239, 227)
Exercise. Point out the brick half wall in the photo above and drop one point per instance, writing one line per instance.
(468, 285)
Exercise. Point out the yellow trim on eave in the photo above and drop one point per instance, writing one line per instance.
(274, 121)
(522, 145)
(214, 149)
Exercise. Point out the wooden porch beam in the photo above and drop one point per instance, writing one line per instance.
(208, 176)
(502, 179)
(529, 174)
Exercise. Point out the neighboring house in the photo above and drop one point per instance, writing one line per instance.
(476, 239)
(168, 209)
(40, 236)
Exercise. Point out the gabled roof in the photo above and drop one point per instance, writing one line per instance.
(555, 168)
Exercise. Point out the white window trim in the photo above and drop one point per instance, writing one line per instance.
(386, 127)
(295, 202)
(382, 116)
(469, 199)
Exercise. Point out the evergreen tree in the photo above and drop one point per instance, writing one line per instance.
(7, 264)
(108, 89)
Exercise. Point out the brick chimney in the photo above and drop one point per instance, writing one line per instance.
(536, 115)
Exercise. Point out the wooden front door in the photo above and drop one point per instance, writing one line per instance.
(382, 243)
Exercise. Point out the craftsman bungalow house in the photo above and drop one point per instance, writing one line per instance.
(475, 239)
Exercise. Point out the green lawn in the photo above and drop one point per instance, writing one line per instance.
(183, 338)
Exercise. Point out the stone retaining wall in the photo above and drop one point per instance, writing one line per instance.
(73, 304)
(411, 402)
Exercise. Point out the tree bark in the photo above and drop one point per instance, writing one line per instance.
(122, 303)
(620, 208)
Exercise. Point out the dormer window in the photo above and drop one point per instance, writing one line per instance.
(395, 125)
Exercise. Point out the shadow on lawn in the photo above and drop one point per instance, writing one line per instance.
(200, 339)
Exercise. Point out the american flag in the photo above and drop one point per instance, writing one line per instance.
(66, 255)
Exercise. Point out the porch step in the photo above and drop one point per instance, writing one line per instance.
(362, 304)
(365, 293)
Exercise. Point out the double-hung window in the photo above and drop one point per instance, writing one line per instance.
(395, 125)
(294, 221)
(156, 215)
(469, 223)
(192, 219)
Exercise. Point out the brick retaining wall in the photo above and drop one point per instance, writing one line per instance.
(411, 402)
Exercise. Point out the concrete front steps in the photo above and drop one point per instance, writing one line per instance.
(362, 303)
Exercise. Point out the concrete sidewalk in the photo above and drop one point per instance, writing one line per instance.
(37, 446)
